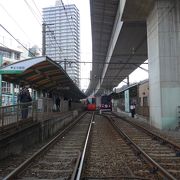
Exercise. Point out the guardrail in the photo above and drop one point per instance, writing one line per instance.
(16, 113)
(39, 110)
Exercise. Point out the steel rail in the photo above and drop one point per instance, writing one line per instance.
(176, 146)
(118, 177)
(145, 155)
(76, 166)
(26, 163)
(84, 151)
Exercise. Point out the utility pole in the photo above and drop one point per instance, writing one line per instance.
(44, 37)
(65, 63)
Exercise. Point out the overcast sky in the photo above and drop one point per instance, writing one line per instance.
(22, 18)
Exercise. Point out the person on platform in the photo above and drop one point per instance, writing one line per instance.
(24, 98)
(69, 104)
(133, 109)
(58, 101)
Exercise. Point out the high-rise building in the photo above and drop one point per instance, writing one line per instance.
(61, 34)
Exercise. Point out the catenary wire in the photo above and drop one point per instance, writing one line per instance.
(16, 39)
(18, 25)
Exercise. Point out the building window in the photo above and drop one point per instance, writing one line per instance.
(6, 54)
(6, 87)
(17, 56)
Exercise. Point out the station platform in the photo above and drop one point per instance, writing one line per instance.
(20, 135)
(171, 134)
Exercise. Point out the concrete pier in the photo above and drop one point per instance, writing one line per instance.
(163, 27)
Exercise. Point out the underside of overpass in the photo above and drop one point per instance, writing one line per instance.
(119, 41)
(125, 33)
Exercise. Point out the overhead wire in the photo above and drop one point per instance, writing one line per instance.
(37, 17)
(81, 67)
(18, 25)
(33, 12)
(69, 26)
(68, 21)
(37, 8)
(49, 28)
(100, 62)
(16, 39)
(67, 16)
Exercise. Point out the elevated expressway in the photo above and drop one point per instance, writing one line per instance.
(127, 32)
(119, 41)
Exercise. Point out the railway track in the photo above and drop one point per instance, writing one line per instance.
(113, 149)
(59, 158)
(11, 162)
(162, 154)
(108, 156)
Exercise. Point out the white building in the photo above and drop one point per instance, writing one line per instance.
(62, 37)
(8, 56)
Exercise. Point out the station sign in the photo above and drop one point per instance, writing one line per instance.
(21, 66)
(63, 88)
(12, 70)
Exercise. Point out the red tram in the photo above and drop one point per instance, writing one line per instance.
(91, 103)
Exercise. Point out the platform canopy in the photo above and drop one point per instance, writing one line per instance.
(42, 73)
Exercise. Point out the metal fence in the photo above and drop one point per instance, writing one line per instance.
(16, 113)
(39, 110)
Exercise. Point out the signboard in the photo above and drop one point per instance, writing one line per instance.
(126, 97)
(40, 104)
(63, 88)
(21, 66)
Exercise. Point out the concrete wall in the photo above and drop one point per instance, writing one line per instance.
(19, 141)
(144, 93)
(50, 127)
(77, 106)
(36, 133)
(64, 106)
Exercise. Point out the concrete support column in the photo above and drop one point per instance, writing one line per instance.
(163, 32)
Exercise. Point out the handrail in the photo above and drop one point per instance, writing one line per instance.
(11, 114)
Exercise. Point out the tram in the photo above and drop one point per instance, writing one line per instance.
(91, 103)
(106, 104)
